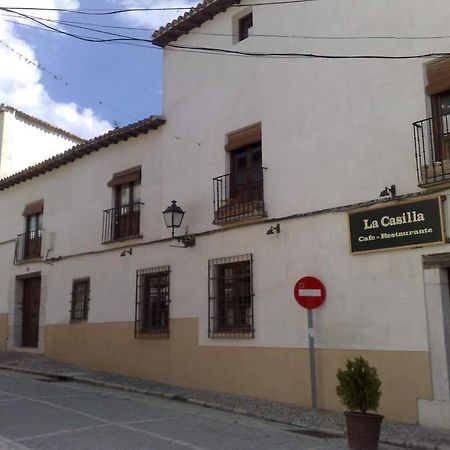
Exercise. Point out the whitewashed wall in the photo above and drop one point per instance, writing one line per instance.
(334, 133)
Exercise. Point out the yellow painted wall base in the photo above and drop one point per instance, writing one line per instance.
(280, 374)
(3, 331)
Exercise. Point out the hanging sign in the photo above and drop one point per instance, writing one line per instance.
(408, 224)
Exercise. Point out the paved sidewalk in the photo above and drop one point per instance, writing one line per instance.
(407, 436)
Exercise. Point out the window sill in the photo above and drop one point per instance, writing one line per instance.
(122, 239)
(153, 334)
(238, 334)
(28, 261)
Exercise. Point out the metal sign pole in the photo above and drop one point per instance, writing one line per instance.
(312, 360)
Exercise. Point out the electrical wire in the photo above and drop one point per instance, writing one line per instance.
(62, 80)
(263, 35)
(225, 51)
(106, 12)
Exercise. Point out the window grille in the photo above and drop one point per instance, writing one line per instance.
(152, 302)
(230, 305)
(80, 300)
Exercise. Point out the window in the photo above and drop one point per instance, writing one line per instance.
(80, 300)
(246, 173)
(28, 244)
(230, 307)
(240, 194)
(123, 220)
(152, 302)
(245, 25)
(440, 106)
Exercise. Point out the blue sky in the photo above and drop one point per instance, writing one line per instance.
(99, 85)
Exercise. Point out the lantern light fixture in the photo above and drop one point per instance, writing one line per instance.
(173, 218)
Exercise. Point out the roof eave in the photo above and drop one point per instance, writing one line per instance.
(192, 19)
(85, 148)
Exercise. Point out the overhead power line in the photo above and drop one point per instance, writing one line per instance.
(106, 11)
(60, 78)
(224, 51)
(86, 25)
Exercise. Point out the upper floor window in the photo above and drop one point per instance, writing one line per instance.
(123, 220)
(231, 297)
(152, 302)
(240, 194)
(80, 300)
(29, 243)
(245, 26)
(432, 134)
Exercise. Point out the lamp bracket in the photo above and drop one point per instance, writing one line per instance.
(187, 240)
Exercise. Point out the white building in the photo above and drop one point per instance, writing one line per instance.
(26, 140)
(272, 159)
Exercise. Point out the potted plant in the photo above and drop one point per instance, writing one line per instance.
(359, 390)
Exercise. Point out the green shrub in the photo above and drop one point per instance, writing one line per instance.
(359, 386)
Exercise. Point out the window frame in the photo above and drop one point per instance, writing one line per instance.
(80, 297)
(146, 324)
(33, 230)
(245, 23)
(225, 309)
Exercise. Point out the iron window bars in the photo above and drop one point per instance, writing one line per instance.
(152, 302)
(80, 300)
(432, 149)
(230, 293)
(28, 245)
(121, 223)
(239, 195)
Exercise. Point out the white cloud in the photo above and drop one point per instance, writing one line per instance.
(21, 86)
(152, 19)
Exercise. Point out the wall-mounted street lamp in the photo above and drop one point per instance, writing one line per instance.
(388, 191)
(173, 216)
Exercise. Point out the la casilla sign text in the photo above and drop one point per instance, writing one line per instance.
(408, 224)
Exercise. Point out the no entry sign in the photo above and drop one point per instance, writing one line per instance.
(309, 292)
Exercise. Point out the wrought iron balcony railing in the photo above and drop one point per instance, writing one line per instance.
(28, 245)
(432, 149)
(121, 223)
(239, 195)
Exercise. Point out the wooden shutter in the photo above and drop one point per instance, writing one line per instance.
(33, 208)
(126, 176)
(246, 136)
(438, 75)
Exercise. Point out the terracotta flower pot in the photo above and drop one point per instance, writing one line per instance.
(363, 430)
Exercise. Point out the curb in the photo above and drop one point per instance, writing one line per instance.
(240, 411)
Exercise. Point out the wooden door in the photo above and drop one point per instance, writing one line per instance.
(246, 174)
(30, 311)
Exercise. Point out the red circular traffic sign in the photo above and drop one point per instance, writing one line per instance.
(309, 292)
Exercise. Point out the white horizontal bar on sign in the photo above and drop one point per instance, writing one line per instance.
(310, 292)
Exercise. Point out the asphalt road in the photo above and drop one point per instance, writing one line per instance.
(37, 413)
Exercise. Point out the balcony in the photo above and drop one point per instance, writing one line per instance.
(28, 245)
(239, 196)
(121, 223)
(432, 150)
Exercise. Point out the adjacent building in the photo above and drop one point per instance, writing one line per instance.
(300, 139)
(26, 140)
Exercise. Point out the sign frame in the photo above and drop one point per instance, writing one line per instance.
(395, 202)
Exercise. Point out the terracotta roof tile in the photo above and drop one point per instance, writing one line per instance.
(85, 148)
(195, 17)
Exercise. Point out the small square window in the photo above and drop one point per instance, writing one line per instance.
(80, 300)
(245, 25)
(231, 297)
(152, 302)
